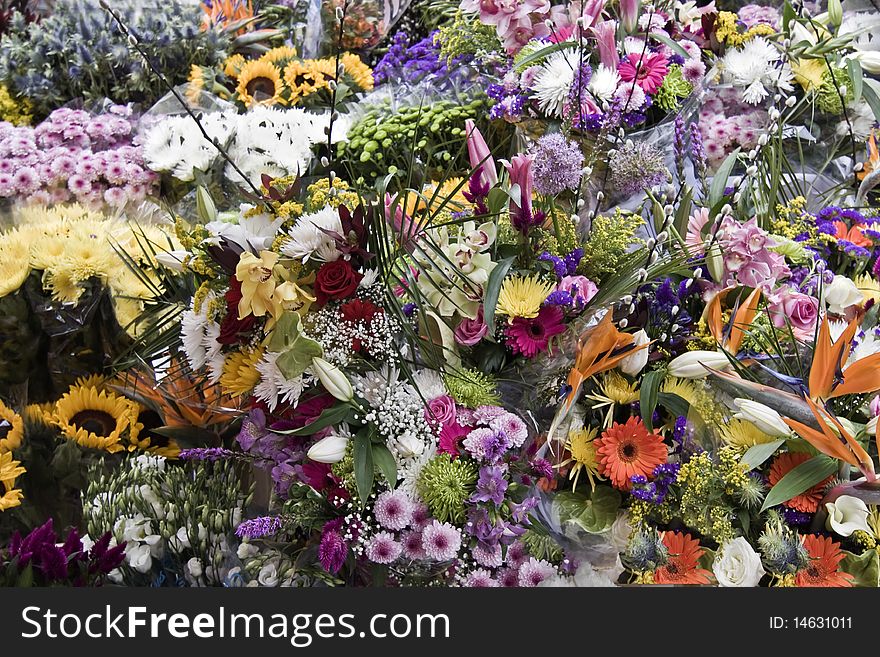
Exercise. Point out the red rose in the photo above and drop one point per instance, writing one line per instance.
(336, 280)
(233, 329)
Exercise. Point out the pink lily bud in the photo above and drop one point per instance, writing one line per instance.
(606, 42)
(479, 154)
(520, 172)
(591, 11)
(629, 14)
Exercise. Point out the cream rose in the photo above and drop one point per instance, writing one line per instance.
(737, 564)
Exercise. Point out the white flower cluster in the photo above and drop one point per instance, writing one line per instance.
(376, 338)
(199, 336)
(272, 141)
(758, 68)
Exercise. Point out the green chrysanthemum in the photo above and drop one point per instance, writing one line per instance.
(674, 88)
(828, 97)
(541, 546)
(471, 388)
(445, 485)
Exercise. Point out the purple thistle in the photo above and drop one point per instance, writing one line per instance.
(259, 527)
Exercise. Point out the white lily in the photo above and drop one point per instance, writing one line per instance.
(694, 364)
(329, 449)
(762, 416)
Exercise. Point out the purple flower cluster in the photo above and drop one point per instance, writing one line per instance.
(75, 156)
(565, 266)
(509, 104)
(497, 432)
(259, 527)
(205, 454)
(558, 164)
(420, 62)
(282, 455)
(655, 491)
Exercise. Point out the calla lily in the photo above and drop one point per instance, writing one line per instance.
(846, 515)
(330, 449)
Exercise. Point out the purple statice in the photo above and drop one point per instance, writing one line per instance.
(332, 550)
(393, 510)
(560, 298)
(383, 548)
(655, 491)
(259, 527)
(796, 518)
(853, 250)
(559, 267)
(509, 103)
(558, 164)
(441, 541)
(667, 315)
(683, 438)
(491, 485)
(205, 454)
(421, 62)
(836, 213)
(589, 122)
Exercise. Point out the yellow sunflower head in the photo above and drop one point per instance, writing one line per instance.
(304, 78)
(360, 73)
(279, 55)
(259, 83)
(11, 429)
(233, 65)
(96, 419)
(9, 471)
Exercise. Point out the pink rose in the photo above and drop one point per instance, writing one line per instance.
(581, 288)
(441, 409)
(800, 310)
(470, 331)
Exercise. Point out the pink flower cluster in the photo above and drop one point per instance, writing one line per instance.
(748, 259)
(726, 122)
(74, 156)
(519, 21)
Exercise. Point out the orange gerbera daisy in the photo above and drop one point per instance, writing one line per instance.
(825, 558)
(629, 449)
(683, 565)
(808, 501)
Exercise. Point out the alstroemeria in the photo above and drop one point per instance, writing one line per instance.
(257, 282)
(846, 515)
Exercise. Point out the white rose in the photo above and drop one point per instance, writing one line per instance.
(268, 575)
(139, 558)
(194, 566)
(635, 362)
(737, 564)
(847, 514)
(840, 294)
(247, 550)
(410, 446)
(762, 416)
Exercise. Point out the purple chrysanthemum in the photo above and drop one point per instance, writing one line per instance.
(479, 578)
(441, 541)
(513, 426)
(488, 555)
(382, 548)
(508, 577)
(412, 545)
(534, 571)
(393, 510)
(516, 554)
(488, 413)
(558, 164)
(542, 468)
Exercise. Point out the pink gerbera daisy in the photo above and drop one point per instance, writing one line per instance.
(648, 72)
(531, 336)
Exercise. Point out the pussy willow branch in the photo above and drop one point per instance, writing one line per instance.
(335, 89)
(134, 43)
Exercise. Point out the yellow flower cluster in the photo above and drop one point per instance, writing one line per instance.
(319, 194)
(279, 77)
(11, 433)
(70, 246)
(726, 30)
(15, 110)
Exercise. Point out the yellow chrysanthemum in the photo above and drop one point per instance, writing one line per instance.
(9, 470)
(522, 297)
(11, 429)
(240, 374)
(279, 54)
(868, 286)
(259, 83)
(14, 269)
(233, 65)
(360, 73)
(98, 420)
(583, 457)
(63, 285)
(740, 433)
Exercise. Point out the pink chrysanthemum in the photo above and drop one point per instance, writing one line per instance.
(393, 510)
(480, 578)
(488, 413)
(441, 541)
(517, 554)
(421, 516)
(382, 548)
(693, 71)
(508, 577)
(648, 72)
(490, 557)
(513, 426)
(531, 336)
(412, 545)
(534, 571)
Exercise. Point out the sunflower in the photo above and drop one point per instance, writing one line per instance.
(360, 73)
(9, 470)
(629, 449)
(808, 501)
(279, 54)
(581, 446)
(304, 78)
(260, 83)
(11, 429)
(683, 565)
(522, 297)
(94, 419)
(823, 568)
(233, 65)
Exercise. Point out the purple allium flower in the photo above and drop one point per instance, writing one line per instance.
(558, 164)
(412, 545)
(332, 550)
(535, 571)
(259, 527)
(441, 541)
(491, 485)
(488, 555)
(479, 578)
(382, 548)
(205, 454)
(393, 510)
(635, 167)
(513, 426)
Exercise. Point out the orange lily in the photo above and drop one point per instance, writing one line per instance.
(828, 442)
(743, 316)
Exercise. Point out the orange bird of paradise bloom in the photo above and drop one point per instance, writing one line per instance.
(227, 12)
(600, 348)
(743, 316)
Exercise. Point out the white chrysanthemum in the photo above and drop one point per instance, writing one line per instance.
(553, 81)
(192, 332)
(307, 240)
(604, 83)
(253, 232)
(213, 354)
(429, 383)
(868, 345)
(371, 277)
(175, 144)
(755, 69)
(274, 387)
(408, 471)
